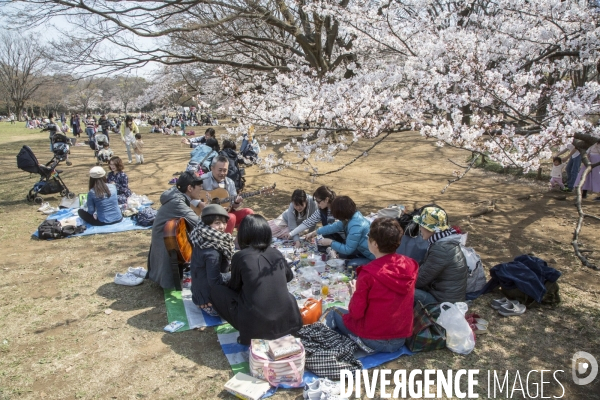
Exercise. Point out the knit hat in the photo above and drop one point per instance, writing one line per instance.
(215, 209)
(433, 219)
(97, 172)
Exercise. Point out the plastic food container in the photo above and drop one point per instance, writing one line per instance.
(319, 266)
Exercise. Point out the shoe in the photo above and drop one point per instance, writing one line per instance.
(129, 162)
(69, 163)
(565, 189)
(321, 389)
(128, 279)
(496, 304)
(312, 391)
(597, 198)
(44, 206)
(511, 309)
(210, 311)
(50, 210)
(173, 181)
(140, 272)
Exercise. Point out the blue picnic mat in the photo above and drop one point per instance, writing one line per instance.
(126, 225)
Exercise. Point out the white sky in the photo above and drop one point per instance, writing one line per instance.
(47, 34)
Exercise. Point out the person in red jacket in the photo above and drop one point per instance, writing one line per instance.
(380, 313)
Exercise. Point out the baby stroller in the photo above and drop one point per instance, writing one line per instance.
(50, 181)
(60, 148)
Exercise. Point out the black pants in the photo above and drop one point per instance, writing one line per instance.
(335, 237)
(89, 218)
(225, 301)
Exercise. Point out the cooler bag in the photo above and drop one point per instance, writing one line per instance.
(286, 371)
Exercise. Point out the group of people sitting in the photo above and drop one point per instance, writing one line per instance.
(107, 193)
(248, 288)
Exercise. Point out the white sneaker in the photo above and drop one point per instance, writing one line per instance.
(140, 272)
(312, 390)
(49, 210)
(322, 389)
(128, 279)
(44, 207)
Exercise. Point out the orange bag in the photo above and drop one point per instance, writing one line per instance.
(311, 312)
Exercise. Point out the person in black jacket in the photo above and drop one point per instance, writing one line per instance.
(211, 254)
(256, 301)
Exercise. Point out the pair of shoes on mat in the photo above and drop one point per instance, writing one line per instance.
(508, 308)
(322, 389)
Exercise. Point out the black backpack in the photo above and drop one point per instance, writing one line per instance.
(50, 229)
(235, 173)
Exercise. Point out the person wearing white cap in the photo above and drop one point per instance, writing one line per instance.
(101, 200)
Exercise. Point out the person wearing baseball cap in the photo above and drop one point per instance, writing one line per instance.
(443, 272)
(211, 255)
(176, 203)
(101, 200)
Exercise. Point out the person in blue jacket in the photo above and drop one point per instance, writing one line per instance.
(201, 157)
(355, 227)
(101, 200)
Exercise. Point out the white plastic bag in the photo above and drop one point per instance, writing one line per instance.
(459, 336)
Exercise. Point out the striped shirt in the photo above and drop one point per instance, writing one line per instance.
(311, 222)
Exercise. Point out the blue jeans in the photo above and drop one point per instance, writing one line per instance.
(334, 321)
(424, 297)
(573, 170)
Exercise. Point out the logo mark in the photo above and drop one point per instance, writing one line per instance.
(580, 367)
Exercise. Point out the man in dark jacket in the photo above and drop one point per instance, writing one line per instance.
(175, 203)
(443, 272)
(104, 124)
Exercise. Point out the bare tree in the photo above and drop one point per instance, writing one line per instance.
(21, 66)
(242, 34)
(126, 90)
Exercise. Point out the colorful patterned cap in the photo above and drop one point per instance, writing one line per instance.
(433, 219)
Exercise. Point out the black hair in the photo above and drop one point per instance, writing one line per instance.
(211, 132)
(213, 144)
(324, 192)
(557, 159)
(229, 144)
(209, 219)
(254, 231)
(138, 136)
(343, 208)
(299, 198)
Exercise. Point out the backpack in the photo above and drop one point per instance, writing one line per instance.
(146, 216)
(234, 172)
(69, 230)
(50, 229)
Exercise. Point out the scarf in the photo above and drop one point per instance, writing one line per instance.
(438, 235)
(205, 237)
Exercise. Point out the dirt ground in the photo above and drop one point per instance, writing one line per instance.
(58, 342)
